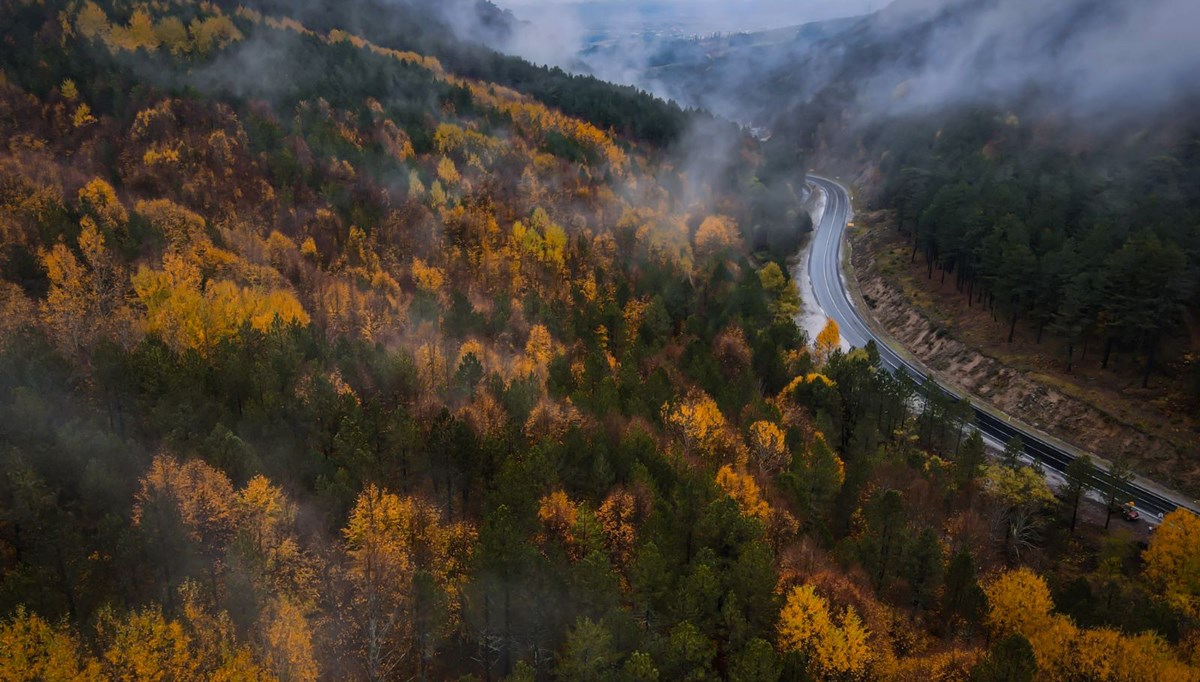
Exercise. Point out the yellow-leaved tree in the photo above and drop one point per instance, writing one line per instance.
(99, 200)
(388, 539)
(828, 341)
(835, 650)
(173, 35)
(701, 428)
(213, 33)
(381, 570)
(428, 279)
(539, 349)
(189, 314)
(447, 172)
(181, 227)
(92, 22)
(1020, 493)
(147, 646)
(69, 90)
(83, 115)
(785, 299)
(17, 312)
(33, 649)
(266, 537)
(1019, 487)
(139, 34)
(716, 235)
(202, 645)
(742, 488)
(1018, 602)
(86, 300)
(768, 447)
(1173, 561)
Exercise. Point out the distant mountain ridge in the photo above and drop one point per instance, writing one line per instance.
(438, 23)
(1076, 58)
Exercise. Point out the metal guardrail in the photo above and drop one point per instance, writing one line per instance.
(989, 424)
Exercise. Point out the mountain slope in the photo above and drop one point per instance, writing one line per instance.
(321, 359)
(465, 36)
(291, 321)
(1041, 159)
(1042, 180)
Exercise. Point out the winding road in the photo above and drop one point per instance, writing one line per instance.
(833, 297)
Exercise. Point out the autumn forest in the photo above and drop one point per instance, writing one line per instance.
(326, 355)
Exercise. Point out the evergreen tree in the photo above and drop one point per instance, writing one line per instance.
(1080, 475)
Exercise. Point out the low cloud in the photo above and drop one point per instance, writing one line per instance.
(1082, 58)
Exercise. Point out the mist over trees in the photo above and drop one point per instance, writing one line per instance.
(1102, 259)
(322, 360)
(1092, 61)
(465, 36)
(1041, 155)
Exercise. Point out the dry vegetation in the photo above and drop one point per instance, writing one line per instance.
(1102, 411)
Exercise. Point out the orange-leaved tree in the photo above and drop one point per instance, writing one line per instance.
(189, 497)
(569, 525)
(287, 642)
(618, 517)
(716, 235)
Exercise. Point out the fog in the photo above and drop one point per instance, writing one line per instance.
(1090, 56)
(695, 17)
(1101, 59)
(623, 40)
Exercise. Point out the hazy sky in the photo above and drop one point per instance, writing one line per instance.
(763, 13)
(851, 6)
(557, 31)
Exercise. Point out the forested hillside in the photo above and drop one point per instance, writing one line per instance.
(1041, 158)
(325, 359)
(443, 25)
(1085, 248)
(1063, 192)
(1069, 210)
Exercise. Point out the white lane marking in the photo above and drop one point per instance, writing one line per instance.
(851, 321)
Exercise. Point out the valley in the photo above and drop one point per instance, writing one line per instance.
(448, 340)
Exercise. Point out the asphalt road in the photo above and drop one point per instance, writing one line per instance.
(825, 271)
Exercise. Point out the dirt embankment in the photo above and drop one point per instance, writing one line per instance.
(1101, 411)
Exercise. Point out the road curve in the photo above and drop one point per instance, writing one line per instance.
(832, 296)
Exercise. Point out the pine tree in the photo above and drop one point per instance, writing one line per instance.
(1080, 475)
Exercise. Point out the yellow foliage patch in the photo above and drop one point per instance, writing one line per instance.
(100, 200)
(1173, 561)
(742, 488)
(188, 315)
(835, 650)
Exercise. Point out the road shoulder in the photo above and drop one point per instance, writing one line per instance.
(894, 315)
